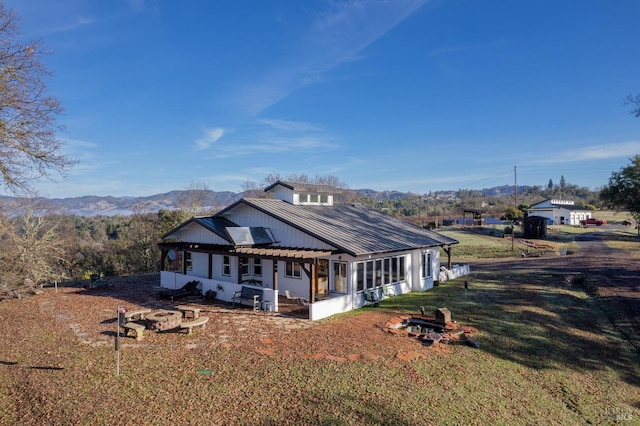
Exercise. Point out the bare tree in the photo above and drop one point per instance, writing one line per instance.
(191, 203)
(33, 247)
(633, 100)
(29, 147)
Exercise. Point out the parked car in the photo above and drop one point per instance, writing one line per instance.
(627, 222)
(593, 221)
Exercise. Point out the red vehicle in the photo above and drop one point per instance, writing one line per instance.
(627, 222)
(593, 221)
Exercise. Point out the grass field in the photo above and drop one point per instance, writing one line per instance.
(547, 356)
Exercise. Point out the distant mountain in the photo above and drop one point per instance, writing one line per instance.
(92, 205)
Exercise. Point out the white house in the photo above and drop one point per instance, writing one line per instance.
(560, 212)
(302, 243)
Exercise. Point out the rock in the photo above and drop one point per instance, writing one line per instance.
(470, 341)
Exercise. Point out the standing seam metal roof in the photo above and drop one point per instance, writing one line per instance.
(356, 230)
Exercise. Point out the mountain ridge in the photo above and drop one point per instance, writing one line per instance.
(95, 205)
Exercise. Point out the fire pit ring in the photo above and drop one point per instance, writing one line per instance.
(164, 320)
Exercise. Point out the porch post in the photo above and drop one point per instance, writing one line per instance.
(275, 274)
(312, 281)
(448, 251)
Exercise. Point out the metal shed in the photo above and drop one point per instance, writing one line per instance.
(534, 227)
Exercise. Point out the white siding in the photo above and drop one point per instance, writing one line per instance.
(196, 233)
(200, 264)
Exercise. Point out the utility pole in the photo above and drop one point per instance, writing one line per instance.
(515, 185)
(515, 202)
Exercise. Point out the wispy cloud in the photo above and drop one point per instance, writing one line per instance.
(593, 153)
(210, 137)
(298, 126)
(274, 145)
(335, 37)
(79, 23)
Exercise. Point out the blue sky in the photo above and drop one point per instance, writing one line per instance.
(408, 95)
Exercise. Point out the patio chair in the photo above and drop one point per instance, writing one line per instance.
(371, 297)
(189, 289)
(290, 297)
(387, 291)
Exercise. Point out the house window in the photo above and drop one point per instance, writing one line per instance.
(244, 265)
(303, 198)
(187, 261)
(401, 267)
(292, 270)
(257, 267)
(394, 270)
(324, 198)
(378, 273)
(226, 266)
(386, 277)
(360, 276)
(340, 277)
(313, 198)
(369, 274)
(426, 264)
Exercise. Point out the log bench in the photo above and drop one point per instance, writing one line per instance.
(138, 328)
(248, 295)
(198, 322)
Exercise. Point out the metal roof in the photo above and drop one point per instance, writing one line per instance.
(304, 187)
(353, 229)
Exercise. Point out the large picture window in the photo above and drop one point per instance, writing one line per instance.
(292, 270)
(379, 272)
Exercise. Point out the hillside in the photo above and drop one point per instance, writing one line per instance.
(92, 205)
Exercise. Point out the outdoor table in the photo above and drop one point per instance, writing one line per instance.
(189, 311)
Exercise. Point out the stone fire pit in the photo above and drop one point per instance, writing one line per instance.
(164, 320)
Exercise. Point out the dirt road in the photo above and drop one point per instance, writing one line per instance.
(610, 275)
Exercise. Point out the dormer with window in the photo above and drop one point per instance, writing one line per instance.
(303, 194)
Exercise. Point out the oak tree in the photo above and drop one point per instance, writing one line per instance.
(623, 190)
(29, 146)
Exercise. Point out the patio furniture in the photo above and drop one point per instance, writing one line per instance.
(189, 311)
(130, 325)
(138, 328)
(371, 297)
(189, 289)
(199, 322)
(288, 295)
(248, 295)
(387, 291)
(137, 314)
